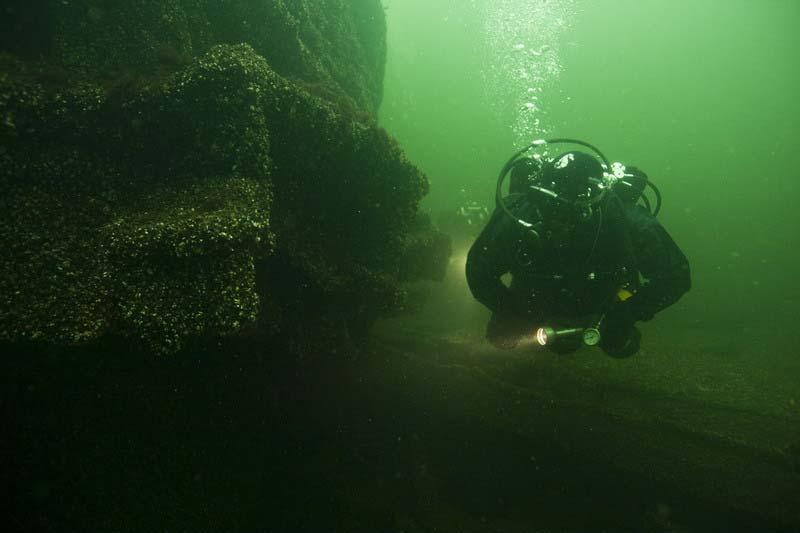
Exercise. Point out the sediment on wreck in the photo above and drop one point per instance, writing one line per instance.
(176, 171)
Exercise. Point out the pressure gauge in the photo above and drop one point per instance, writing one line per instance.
(591, 336)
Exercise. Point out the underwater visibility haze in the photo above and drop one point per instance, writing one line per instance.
(234, 289)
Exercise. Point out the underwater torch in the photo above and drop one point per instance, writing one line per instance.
(589, 336)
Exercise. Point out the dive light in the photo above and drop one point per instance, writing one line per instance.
(548, 335)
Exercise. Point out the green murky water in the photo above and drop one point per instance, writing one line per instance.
(703, 97)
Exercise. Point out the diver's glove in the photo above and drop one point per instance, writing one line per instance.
(638, 312)
(620, 338)
(620, 317)
(508, 326)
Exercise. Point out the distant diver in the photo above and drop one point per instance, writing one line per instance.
(586, 256)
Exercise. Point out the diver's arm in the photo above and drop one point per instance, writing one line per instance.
(487, 261)
(662, 264)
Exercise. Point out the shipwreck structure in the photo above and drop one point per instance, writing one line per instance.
(179, 170)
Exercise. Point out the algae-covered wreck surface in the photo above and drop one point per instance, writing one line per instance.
(202, 179)
(183, 169)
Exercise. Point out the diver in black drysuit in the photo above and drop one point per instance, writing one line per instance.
(580, 268)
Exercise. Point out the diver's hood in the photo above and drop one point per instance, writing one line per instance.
(561, 198)
(572, 176)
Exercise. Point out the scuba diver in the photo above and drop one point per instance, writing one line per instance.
(586, 259)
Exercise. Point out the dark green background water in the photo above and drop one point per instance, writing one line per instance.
(700, 94)
(434, 429)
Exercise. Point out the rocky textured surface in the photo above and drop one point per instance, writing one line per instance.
(163, 187)
(334, 43)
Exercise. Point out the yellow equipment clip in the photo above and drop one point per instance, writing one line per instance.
(623, 294)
